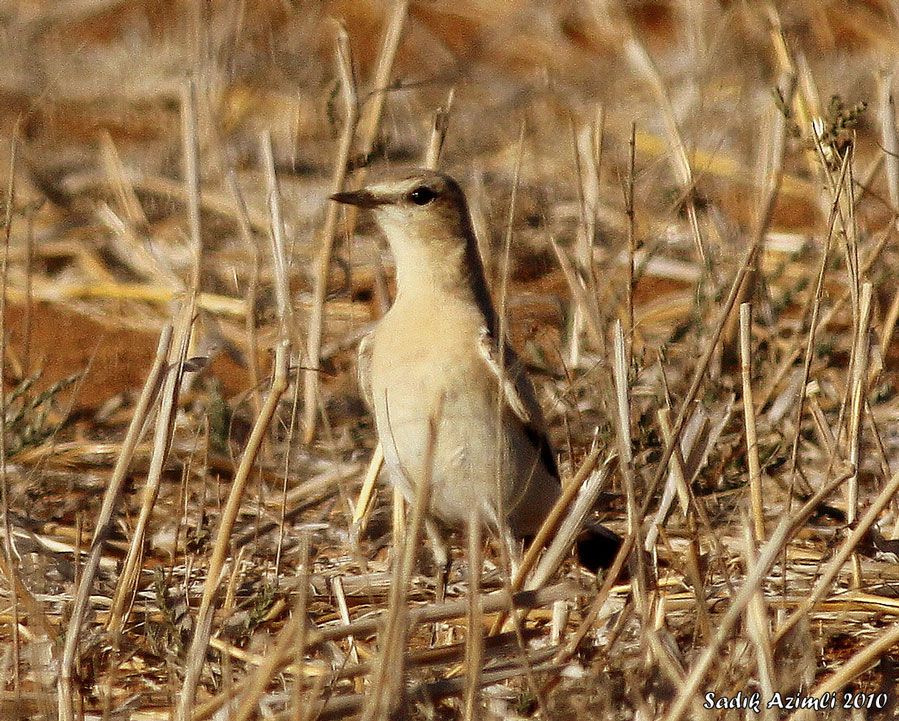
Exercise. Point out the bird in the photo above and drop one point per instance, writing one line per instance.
(438, 350)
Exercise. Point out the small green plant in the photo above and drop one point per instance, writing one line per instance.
(174, 631)
(833, 131)
(838, 123)
(219, 415)
(29, 420)
(262, 603)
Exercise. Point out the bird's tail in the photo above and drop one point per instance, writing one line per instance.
(597, 546)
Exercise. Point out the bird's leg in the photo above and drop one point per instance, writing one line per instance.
(513, 547)
(442, 559)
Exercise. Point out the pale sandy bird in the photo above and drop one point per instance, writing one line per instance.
(438, 346)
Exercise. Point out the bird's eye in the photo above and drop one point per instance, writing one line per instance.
(422, 195)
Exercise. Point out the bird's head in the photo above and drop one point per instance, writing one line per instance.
(418, 211)
(424, 216)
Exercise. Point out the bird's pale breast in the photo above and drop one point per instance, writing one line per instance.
(427, 357)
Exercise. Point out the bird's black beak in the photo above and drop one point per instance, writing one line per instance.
(360, 198)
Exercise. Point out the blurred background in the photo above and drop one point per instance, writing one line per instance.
(92, 157)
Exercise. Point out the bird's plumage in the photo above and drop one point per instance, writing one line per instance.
(438, 347)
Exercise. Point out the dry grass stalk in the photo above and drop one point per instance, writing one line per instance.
(765, 561)
(197, 652)
(889, 136)
(771, 179)
(388, 694)
(549, 527)
(758, 626)
(329, 232)
(249, 239)
(813, 322)
(474, 638)
(438, 132)
(631, 241)
(588, 160)
(177, 356)
(564, 538)
(103, 526)
(279, 244)
(644, 66)
(774, 175)
(301, 611)
(131, 567)
(9, 559)
(833, 567)
(344, 611)
(859, 385)
(365, 502)
(676, 485)
(639, 581)
(582, 299)
(752, 443)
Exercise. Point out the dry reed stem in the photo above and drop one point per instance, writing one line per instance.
(757, 626)
(9, 559)
(772, 171)
(643, 65)
(859, 385)
(772, 184)
(622, 421)
(300, 610)
(159, 295)
(813, 323)
(276, 234)
(344, 611)
(549, 526)
(474, 638)
(126, 586)
(367, 122)
(675, 485)
(888, 135)
(329, 233)
(751, 584)
(197, 651)
(438, 132)
(631, 242)
(128, 579)
(564, 538)
(246, 234)
(581, 298)
(362, 509)
(103, 527)
(387, 696)
(752, 443)
(588, 161)
(833, 567)
(889, 323)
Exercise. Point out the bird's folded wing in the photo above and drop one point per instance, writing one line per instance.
(518, 393)
(363, 368)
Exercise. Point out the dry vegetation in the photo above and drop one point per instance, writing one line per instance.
(197, 549)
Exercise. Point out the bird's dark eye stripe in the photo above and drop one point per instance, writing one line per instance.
(422, 195)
